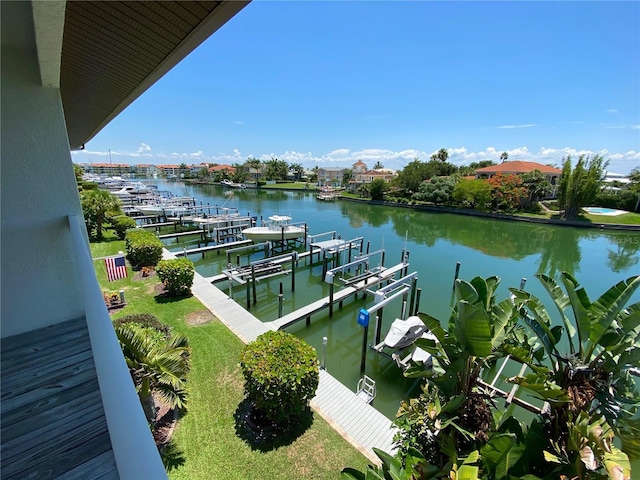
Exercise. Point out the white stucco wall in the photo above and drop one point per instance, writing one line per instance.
(39, 285)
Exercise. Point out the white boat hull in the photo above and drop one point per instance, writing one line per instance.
(265, 234)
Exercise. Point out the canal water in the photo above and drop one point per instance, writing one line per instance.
(436, 242)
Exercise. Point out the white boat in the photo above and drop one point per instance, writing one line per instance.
(402, 335)
(277, 228)
(228, 183)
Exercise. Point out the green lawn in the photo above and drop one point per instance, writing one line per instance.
(207, 434)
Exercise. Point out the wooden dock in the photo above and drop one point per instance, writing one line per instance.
(339, 296)
(357, 421)
(211, 248)
(53, 423)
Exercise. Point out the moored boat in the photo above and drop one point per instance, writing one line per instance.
(277, 228)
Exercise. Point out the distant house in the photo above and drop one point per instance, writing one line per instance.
(518, 167)
(148, 169)
(359, 167)
(228, 169)
(330, 175)
(369, 176)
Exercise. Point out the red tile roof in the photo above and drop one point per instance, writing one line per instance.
(518, 166)
(218, 168)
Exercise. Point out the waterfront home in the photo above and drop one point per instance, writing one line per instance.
(69, 68)
(518, 167)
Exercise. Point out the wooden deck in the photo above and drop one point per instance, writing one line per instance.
(52, 420)
(357, 421)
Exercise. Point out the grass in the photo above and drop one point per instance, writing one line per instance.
(207, 435)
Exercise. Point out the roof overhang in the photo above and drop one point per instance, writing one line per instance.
(104, 55)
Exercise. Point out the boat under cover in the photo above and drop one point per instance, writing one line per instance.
(277, 228)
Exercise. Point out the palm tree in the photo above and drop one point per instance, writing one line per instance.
(97, 205)
(157, 364)
(378, 165)
(504, 156)
(587, 384)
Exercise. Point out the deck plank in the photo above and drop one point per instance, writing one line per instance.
(52, 419)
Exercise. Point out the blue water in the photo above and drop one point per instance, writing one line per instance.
(436, 242)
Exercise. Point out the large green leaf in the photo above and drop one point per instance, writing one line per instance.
(473, 328)
(561, 302)
(465, 291)
(497, 454)
(540, 326)
(617, 464)
(580, 306)
(608, 307)
(629, 434)
(502, 315)
(542, 388)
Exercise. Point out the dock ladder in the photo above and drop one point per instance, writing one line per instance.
(366, 389)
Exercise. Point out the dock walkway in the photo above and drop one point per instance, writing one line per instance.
(357, 421)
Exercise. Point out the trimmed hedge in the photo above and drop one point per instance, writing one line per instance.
(144, 249)
(121, 224)
(177, 275)
(281, 375)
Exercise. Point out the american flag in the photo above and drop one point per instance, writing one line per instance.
(116, 268)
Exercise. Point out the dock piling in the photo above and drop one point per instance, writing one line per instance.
(455, 277)
(323, 363)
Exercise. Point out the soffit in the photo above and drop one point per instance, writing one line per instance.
(113, 51)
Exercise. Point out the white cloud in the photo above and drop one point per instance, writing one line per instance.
(527, 125)
(238, 122)
(613, 110)
(143, 148)
(620, 162)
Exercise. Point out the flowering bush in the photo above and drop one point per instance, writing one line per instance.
(176, 275)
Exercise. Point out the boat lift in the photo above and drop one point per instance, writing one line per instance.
(382, 297)
(269, 267)
(363, 273)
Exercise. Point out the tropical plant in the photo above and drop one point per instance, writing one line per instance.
(504, 156)
(97, 206)
(281, 375)
(437, 190)
(177, 275)
(378, 165)
(536, 184)
(582, 369)
(476, 336)
(146, 320)
(412, 175)
(441, 155)
(579, 185)
(507, 192)
(474, 193)
(377, 189)
(157, 364)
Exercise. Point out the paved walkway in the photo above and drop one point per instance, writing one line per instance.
(358, 422)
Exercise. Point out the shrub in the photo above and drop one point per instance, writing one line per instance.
(281, 375)
(177, 275)
(624, 200)
(144, 249)
(146, 320)
(121, 224)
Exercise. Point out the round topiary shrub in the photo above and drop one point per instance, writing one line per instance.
(281, 375)
(121, 224)
(176, 275)
(144, 249)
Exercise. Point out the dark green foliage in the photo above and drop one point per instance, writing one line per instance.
(121, 224)
(144, 249)
(472, 193)
(438, 190)
(624, 200)
(144, 320)
(97, 207)
(177, 275)
(377, 189)
(579, 185)
(281, 375)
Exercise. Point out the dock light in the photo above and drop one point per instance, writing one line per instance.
(328, 278)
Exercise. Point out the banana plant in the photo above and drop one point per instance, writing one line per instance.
(588, 373)
(474, 338)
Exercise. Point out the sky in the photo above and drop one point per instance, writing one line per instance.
(326, 84)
